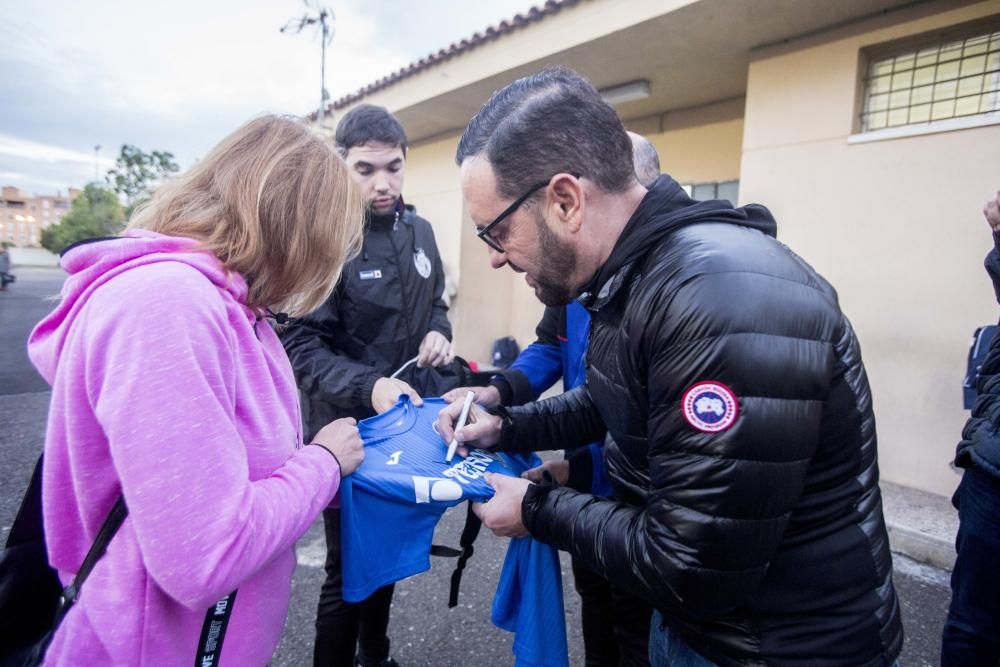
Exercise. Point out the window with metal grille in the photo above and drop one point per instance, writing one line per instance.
(718, 190)
(945, 79)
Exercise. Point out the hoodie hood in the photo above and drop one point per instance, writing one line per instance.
(664, 209)
(90, 264)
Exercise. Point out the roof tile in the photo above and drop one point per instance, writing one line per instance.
(533, 15)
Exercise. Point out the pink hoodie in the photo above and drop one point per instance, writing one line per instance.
(166, 388)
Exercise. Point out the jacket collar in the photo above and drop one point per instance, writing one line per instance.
(665, 209)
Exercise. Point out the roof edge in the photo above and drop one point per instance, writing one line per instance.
(477, 39)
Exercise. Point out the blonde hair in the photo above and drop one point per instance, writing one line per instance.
(275, 203)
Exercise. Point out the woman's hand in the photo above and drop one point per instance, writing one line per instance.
(342, 439)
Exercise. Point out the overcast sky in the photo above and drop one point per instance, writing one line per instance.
(180, 75)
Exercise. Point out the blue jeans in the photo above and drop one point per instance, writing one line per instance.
(667, 649)
(972, 630)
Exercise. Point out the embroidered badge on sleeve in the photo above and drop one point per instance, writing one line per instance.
(710, 407)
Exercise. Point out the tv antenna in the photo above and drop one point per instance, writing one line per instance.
(323, 17)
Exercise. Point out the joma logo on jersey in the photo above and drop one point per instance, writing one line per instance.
(426, 489)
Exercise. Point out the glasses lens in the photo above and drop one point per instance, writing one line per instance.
(492, 242)
(488, 239)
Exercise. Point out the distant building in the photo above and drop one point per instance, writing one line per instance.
(23, 215)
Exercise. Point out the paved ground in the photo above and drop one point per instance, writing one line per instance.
(21, 306)
(424, 631)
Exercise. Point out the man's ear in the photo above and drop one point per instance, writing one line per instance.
(567, 200)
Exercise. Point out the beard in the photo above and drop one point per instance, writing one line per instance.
(552, 284)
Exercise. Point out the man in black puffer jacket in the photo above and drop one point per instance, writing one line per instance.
(744, 455)
(972, 631)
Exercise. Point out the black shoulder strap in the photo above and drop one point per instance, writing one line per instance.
(28, 525)
(469, 534)
(97, 549)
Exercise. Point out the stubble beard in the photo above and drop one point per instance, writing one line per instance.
(559, 259)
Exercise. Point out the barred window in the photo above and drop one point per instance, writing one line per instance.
(718, 190)
(945, 79)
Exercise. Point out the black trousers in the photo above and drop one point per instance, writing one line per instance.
(615, 623)
(341, 626)
(972, 629)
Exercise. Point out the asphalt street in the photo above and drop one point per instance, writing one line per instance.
(423, 630)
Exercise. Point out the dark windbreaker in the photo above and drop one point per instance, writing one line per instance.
(373, 322)
(764, 543)
(980, 443)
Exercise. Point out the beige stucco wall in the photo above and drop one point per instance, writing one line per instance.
(489, 304)
(697, 145)
(895, 225)
(432, 186)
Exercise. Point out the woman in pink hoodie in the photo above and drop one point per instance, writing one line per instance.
(171, 389)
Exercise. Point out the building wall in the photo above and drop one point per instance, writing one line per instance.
(482, 309)
(697, 145)
(488, 304)
(432, 186)
(895, 225)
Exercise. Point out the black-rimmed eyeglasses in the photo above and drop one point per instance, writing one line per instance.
(484, 232)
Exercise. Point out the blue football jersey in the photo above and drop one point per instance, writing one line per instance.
(391, 504)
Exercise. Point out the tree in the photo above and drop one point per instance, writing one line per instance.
(97, 211)
(136, 174)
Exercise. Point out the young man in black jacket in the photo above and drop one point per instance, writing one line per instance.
(387, 310)
(972, 630)
(743, 460)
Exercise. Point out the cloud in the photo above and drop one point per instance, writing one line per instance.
(30, 150)
(40, 181)
(51, 167)
(179, 76)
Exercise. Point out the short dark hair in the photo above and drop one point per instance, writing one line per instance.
(551, 122)
(369, 123)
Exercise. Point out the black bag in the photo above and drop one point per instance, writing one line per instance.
(32, 599)
(430, 381)
(505, 351)
(980, 345)
(33, 602)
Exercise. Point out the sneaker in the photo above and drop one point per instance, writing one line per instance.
(388, 662)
